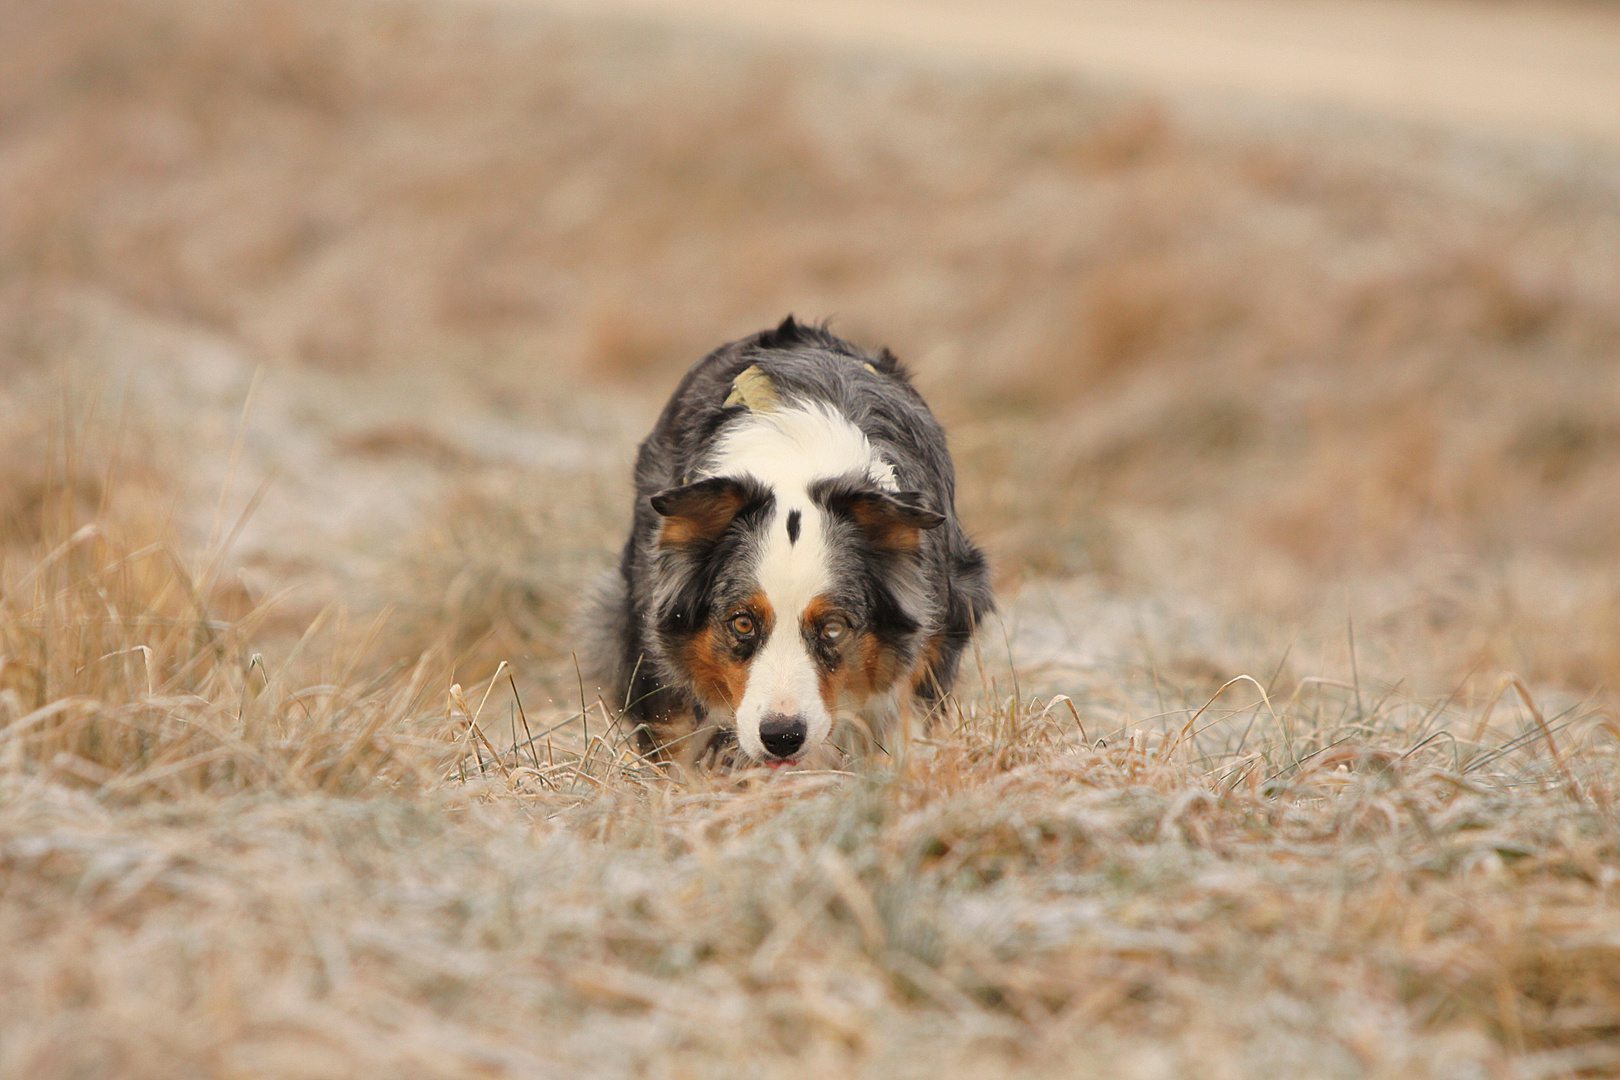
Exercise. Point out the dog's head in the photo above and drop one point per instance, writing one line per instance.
(783, 605)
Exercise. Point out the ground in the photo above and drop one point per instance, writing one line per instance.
(1285, 408)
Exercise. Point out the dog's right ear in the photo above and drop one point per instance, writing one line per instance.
(698, 513)
(892, 521)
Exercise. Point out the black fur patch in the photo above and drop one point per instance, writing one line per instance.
(793, 527)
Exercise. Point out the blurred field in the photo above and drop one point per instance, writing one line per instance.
(327, 332)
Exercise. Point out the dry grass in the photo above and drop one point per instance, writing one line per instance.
(119, 672)
(210, 875)
(220, 866)
(296, 776)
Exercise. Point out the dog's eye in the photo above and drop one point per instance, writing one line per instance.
(833, 630)
(742, 625)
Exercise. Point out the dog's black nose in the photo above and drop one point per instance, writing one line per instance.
(782, 735)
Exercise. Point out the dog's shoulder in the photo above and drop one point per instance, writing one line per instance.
(793, 360)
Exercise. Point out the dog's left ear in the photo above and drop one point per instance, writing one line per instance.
(891, 521)
(698, 513)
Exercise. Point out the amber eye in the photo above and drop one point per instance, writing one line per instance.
(833, 631)
(742, 625)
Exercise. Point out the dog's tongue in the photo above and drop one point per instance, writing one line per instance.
(781, 764)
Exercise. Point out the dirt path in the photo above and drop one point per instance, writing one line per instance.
(1520, 68)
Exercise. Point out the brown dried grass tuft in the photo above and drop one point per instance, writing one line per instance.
(123, 667)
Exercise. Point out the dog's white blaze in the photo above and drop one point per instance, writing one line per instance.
(787, 450)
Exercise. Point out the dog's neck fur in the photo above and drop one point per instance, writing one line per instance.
(790, 447)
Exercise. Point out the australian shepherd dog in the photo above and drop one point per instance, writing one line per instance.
(795, 582)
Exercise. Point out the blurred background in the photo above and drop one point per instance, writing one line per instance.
(1273, 337)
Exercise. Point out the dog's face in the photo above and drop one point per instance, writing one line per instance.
(784, 603)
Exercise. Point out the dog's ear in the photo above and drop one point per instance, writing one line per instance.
(698, 513)
(891, 521)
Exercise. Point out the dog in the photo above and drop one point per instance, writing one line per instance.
(794, 564)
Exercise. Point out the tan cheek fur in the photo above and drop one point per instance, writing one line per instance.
(867, 669)
(717, 675)
(831, 684)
